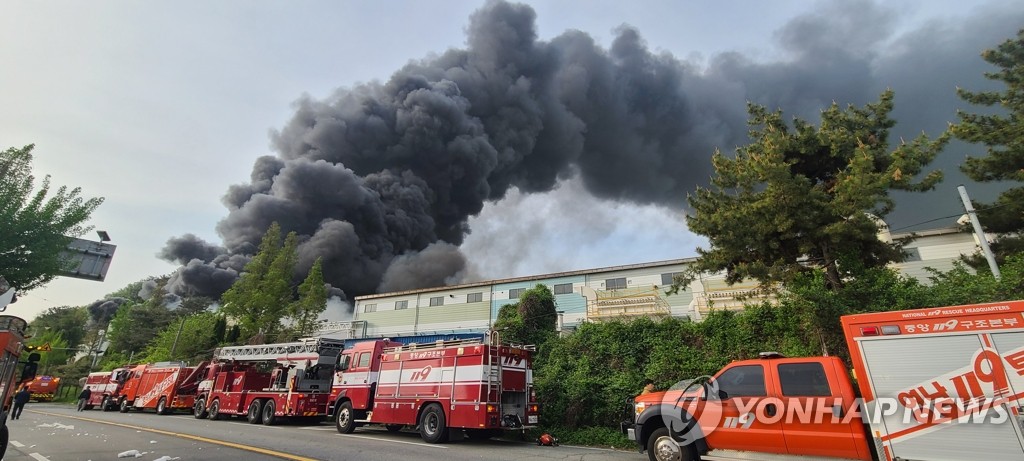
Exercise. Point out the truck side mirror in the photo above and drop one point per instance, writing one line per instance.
(342, 364)
(28, 373)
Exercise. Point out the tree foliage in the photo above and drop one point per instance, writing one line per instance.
(37, 225)
(69, 321)
(532, 320)
(1002, 133)
(194, 344)
(311, 303)
(804, 197)
(135, 325)
(260, 297)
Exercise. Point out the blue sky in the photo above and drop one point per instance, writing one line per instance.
(160, 106)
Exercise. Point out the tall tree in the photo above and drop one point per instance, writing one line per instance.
(135, 325)
(37, 225)
(190, 339)
(1002, 133)
(312, 301)
(806, 197)
(261, 296)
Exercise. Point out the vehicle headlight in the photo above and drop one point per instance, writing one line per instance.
(639, 407)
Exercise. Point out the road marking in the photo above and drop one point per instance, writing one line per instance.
(314, 428)
(39, 457)
(225, 443)
(17, 444)
(419, 444)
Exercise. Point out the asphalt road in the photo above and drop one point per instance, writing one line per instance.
(55, 432)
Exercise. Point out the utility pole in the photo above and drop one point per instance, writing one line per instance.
(982, 240)
(175, 345)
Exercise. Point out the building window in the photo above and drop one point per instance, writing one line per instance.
(615, 284)
(474, 297)
(912, 254)
(667, 279)
(437, 301)
(370, 308)
(515, 293)
(563, 289)
(399, 305)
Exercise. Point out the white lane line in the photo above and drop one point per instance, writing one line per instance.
(17, 444)
(39, 457)
(418, 444)
(314, 428)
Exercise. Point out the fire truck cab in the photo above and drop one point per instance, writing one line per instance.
(105, 387)
(478, 386)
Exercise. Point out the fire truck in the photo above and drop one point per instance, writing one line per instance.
(478, 386)
(106, 387)
(43, 388)
(164, 387)
(931, 384)
(12, 344)
(269, 381)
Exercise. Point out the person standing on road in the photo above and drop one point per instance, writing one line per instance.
(83, 398)
(20, 399)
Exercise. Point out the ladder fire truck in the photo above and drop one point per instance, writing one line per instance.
(164, 387)
(478, 386)
(269, 381)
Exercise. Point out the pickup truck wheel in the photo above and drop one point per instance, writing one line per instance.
(345, 420)
(662, 447)
(433, 428)
(214, 410)
(123, 408)
(269, 408)
(255, 414)
(199, 409)
(161, 406)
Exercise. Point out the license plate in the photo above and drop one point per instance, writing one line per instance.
(532, 419)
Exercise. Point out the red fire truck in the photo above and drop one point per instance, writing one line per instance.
(105, 387)
(478, 385)
(12, 344)
(269, 381)
(164, 387)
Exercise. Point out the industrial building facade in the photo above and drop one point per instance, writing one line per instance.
(596, 294)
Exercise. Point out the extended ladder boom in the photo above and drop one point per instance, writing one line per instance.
(319, 350)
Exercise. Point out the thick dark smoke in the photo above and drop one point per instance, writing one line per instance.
(380, 179)
(103, 310)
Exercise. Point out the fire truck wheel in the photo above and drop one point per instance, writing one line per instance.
(215, 410)
(345, 419)
(269, 408)
(199, 409)
(433, 427)
(393, 427)
(123, 407)
(161, 406)
(255, 413)
(662, 447)
(105, 404)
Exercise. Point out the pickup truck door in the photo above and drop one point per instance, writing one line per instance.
(816, 410)
(741, 428)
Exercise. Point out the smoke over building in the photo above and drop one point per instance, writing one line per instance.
(380, 179)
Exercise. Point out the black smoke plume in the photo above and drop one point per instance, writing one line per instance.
(380, 179)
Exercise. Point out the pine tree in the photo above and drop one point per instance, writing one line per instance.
(807, 197)
(1002, 134)
(312, 301)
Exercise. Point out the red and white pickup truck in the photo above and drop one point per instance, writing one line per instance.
(931, 384)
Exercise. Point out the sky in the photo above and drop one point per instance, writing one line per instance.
(413, 144)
